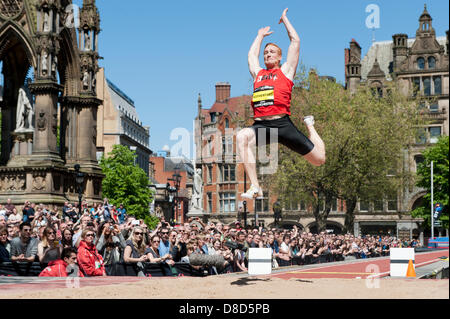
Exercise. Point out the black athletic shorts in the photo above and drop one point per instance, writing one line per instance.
(288, 134)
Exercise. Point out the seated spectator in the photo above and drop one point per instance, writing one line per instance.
(14, 217)
(110, 244)
(84, 220)
(39, 220)
(3, 221)
(284, 254)
(49, 249)
(5, 247)
(66, 239)
(28, 211)
(13, 231)
(135, 251)
(9, 207)
(89, 260)
(154, 255)
(58, 268)
(24, 247)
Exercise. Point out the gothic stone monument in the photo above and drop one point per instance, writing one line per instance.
(40, 37)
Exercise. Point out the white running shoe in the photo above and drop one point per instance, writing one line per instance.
(252, 192)
(309, 120)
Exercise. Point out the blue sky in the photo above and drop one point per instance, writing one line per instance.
(164, 53)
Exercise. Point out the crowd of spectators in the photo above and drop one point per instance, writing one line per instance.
(100, 237)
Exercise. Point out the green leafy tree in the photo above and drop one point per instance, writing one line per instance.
(438, 154)
(126, 183)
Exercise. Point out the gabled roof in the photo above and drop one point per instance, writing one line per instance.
(234, 105)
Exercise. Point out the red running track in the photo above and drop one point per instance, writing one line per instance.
(362, 268)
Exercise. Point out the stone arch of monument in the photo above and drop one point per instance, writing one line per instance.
(58, 104)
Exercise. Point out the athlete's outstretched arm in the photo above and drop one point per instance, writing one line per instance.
(253, 54)
(290, 67)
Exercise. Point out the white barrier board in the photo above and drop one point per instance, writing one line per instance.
(399, 259)
(260, 261)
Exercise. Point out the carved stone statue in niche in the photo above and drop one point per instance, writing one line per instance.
(54, 65)
(46, 22)
(85, 80)
(196, 201)
(87, 41)
(44, 63)
(24, 115)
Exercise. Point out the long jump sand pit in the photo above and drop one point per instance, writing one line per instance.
(235, 287)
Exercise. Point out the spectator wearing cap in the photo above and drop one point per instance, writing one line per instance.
(24, 247)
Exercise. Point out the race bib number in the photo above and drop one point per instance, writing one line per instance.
(263, 96)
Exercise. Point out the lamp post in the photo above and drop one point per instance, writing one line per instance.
(79, 179)
(176, 178)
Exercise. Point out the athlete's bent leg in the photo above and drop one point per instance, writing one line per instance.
(317, 156)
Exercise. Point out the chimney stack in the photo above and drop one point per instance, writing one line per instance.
(222, 91)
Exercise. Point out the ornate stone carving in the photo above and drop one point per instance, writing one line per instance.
(41, 122)
(10, 8)
(38, 183)
(12, 183)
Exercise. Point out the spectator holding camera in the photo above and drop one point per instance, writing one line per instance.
(110, 244)
(154, 255)
(135, 251)
(49, 249)
(89, 259)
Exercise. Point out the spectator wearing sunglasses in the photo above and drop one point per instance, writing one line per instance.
(136, 252)
(164, 245)
(49, 249)
(24, 247)
(89, 260)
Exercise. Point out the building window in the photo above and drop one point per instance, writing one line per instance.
(209, 196)
(363, 206)
(213, 117)
(209, 174)
(227, 145)
(418, 159)
(437, 85)
(228, 173)
(421, 136)
(227, 123)
(421, 63)
(262, 205)
(378, 206)
(427, 86)
(431, 62)
(416, 86)
(227, 202)
(434, 107)
(435, 133)
(302, 205)
(392, 203)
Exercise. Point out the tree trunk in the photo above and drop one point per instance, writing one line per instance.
(350, 215)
